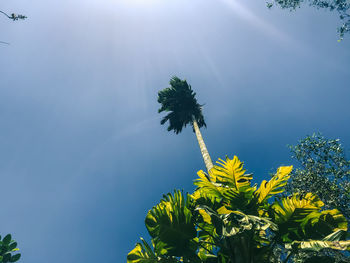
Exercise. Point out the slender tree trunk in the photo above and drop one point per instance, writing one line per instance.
(204, 151)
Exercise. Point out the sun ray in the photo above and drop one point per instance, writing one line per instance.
(248, 15)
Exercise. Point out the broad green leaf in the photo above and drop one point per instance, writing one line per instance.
(15, 258)
(143, 253)
(231, 173)
(234, 222)
(336, 236)
(209, 187)
(171, 222)
(205, 216)
(291, 215)
(228, 184)
(139, 255)
(7, 239)
(223, 210)
(206, 257)
(243, 200)
(275, 185)
(317, 245)
(12, 246)
(7, 257)
(299, 217)
(296, 207)
(317, 224)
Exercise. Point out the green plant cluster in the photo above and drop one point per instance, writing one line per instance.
(229, 220)
(8, 248)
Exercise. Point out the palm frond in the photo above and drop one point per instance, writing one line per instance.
(180, 101)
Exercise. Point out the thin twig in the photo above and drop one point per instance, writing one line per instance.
(13, 16)
(5, 14)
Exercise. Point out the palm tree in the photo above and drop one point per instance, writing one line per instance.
(181, 103)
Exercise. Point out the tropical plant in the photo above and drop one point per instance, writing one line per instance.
(229, 220)
(180, 101)
(7, 249)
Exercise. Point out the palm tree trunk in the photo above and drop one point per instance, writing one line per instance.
(204, 151)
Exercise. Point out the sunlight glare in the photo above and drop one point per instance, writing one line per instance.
(246, 14)
(140, 3)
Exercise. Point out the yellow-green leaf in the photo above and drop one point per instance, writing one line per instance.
(205, 216)
(223, 211)
(137, 255)
(296, 206)
(231, 172)
(317, 245)
(275, 185)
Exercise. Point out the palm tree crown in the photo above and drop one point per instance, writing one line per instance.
(181, 103)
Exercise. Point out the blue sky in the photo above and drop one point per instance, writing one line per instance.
(82, 153)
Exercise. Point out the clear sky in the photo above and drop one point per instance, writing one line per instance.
(82, 153)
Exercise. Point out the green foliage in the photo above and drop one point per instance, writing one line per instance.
(325, 171)
(342, 7)
(171, 225)
(227, 220)
(300, 218)
(143, 253)
(8, 248)
(181, 103)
